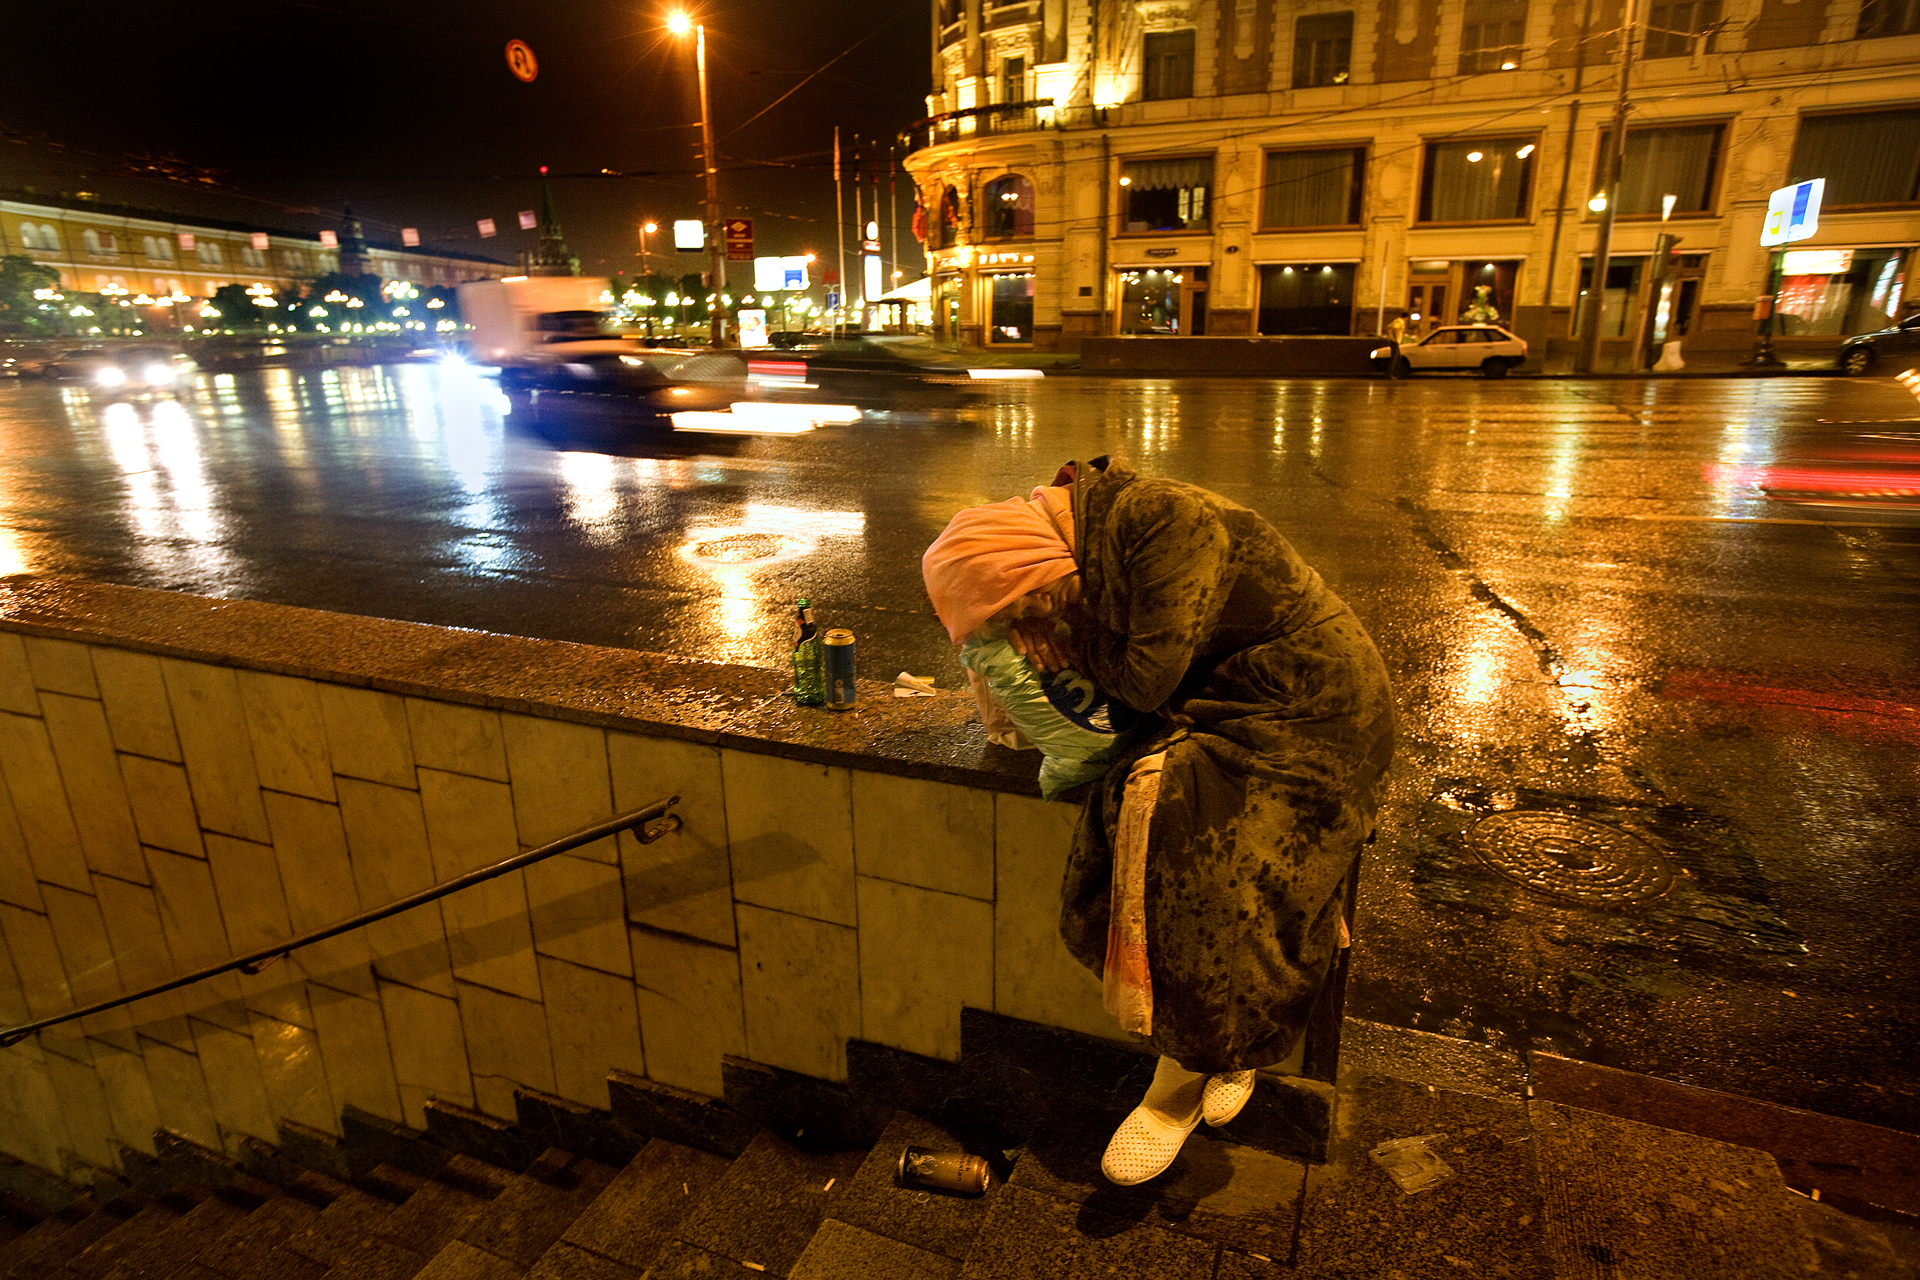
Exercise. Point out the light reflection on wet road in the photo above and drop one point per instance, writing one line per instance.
(1589, 608)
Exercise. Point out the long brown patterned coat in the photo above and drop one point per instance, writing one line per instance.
(1274, 710)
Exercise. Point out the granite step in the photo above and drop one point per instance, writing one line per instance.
(130, 1238)
(637, 1214)
(170, 1251)
(764, 1210)
(31, 1242)
(46, 1256)
(534, 1209)
(444, 1205)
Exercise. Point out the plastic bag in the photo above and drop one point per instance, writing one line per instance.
(1078, 729)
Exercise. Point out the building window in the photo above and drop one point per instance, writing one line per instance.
(1010, 308)
(1313, 188)
(1870, 158)
(252, 257)
(158, 248)
(1673, 28)
(29, 236)
(1306, 297)
(1013, 80)
(210, 253)
(1166, 195)
(1484, 180)
(1836, 291)
(49, 237)
(1616, 305)
(1322, 49)
(1888, 18)
(100, 241)
(1680, 161)
(1150, 300)
(1009, 207)
(1493, 38)
(1168, 69)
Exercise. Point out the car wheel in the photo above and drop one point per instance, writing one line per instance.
(1494, 367)
(1398, 367)
(1857, 360)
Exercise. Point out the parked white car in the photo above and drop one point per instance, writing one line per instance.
(1486, 347)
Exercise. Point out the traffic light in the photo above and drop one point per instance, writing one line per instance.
(1665, 260)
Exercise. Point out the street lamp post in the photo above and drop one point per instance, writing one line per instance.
(679, 23)
(1594, 303)
(646, 272)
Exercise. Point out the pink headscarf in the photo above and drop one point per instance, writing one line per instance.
(990, 556)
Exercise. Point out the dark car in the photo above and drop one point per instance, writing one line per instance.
(1859, 354)
(887, 373)
(623, 390)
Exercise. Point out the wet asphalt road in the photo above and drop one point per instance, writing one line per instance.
(1656, 795)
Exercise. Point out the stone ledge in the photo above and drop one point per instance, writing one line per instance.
(720, 704)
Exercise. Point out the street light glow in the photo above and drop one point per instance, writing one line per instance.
(679, 23)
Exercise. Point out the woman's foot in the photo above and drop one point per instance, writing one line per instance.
(1153, 1133)
(1224, 1095)
(1144, 1145)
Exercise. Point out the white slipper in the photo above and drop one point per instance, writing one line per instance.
(1224, 1095)
(1143, 1146)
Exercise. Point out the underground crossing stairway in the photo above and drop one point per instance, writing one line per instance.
(790, 1177)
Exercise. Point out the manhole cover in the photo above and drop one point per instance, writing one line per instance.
(1570, 858)
(740, 548)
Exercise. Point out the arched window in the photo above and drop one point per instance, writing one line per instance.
(1009, 207)
(209, 253)
(49, 236)
(92, 239)
(29, 236)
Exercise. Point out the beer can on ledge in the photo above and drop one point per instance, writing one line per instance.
(840, 691)
(943, 1170)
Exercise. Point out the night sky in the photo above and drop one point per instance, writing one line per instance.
(284, 110)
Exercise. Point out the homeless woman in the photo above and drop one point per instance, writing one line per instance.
(1208, 871)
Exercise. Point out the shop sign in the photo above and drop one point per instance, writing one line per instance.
(1001, 259)
(1162, 253)
(1816, 262)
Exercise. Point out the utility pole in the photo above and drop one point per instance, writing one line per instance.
(716, 233)
(840, 230)
(1603, 243)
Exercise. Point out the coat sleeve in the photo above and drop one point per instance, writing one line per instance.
(1173, 561)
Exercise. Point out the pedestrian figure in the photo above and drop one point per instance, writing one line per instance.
(1254, 784)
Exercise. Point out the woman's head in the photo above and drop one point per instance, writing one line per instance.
(990, 559)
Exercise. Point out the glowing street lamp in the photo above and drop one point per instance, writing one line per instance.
(679, 23)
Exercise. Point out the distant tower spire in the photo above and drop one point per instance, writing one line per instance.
(553, 257)
(353, 246)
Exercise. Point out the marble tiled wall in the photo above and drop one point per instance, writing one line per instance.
(158, 815)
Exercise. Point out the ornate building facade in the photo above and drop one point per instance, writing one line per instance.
(1325, 166)
(96, 245)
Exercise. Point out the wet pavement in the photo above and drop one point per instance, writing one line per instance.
(1655, 801)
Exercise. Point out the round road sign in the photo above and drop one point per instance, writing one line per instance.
(520, 61)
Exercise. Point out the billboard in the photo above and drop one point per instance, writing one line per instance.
(774, 275)
(1793, 213)
(689, 235)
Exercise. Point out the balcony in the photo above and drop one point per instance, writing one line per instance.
(998, 118)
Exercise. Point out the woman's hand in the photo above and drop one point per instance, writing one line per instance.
(1039, 641)
(1035, 624)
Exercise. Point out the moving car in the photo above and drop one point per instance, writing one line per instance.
(878, 373)
(1486, 347)
(1900, 344)
(116, 371)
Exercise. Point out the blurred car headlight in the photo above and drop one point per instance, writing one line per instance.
(159, 375)
(1381, 353)
(109, 376)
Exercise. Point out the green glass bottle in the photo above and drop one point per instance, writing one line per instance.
(809, 658)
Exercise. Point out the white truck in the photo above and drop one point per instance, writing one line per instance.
(538, 320)
(561, 369)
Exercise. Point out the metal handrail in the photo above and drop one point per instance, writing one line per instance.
(256, 961)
